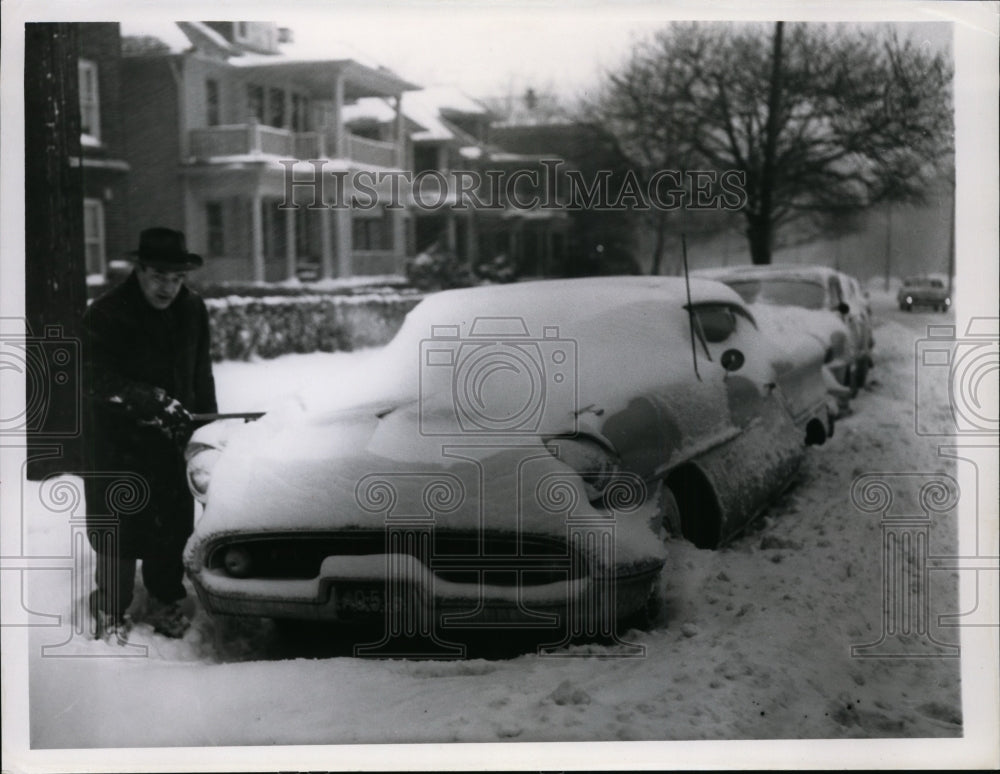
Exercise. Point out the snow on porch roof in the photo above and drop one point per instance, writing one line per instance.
(178, 41)
(428, 108)
(166, 31)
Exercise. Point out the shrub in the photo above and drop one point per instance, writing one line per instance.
(438, 269)
(499, 269)
(244, 328)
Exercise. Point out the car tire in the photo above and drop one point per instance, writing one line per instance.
(649, 615)
(697, 506)
(850, 380)
(670, 513)
(859, 376)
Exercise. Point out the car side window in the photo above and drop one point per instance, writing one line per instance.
(836, 297)
(851, 291)
(717, 322)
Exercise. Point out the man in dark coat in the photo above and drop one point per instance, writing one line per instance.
(146, 366)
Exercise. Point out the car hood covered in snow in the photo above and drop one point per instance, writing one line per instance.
(578, 354)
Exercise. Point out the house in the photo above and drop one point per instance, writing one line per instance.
(455, 203)
(102, 159)
(221, 117)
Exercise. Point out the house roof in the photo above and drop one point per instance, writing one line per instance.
(167, 31)
(304, 62)
(427, 108)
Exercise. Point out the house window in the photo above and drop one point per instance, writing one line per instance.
(303, 236)
(300, 113)
(277, 108)
(93, 235)
(273, 222)
(90, 113)
(255, 102)
(212, 101)
(369, 233)
(215, 228)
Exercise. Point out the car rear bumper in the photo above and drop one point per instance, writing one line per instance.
(396, 584)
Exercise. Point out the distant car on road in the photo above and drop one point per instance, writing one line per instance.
(836, 310)
(520, 451)
(924, 291)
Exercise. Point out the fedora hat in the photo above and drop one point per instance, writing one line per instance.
(165, 249)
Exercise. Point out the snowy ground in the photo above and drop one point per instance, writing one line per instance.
(753, 641)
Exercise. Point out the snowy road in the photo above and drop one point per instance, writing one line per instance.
(753, 641)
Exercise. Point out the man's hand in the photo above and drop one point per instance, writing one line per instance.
(173, 420)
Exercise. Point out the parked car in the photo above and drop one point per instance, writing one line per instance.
(924, 291)
(838, 311)
(514, 457)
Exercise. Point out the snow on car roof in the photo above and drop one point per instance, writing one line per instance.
(790, 271)
(576, 299)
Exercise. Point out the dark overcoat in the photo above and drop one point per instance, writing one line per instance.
(132, 355)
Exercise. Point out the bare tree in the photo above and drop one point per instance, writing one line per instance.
(822, 121)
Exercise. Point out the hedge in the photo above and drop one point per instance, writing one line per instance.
(244, 328)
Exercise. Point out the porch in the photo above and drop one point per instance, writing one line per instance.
(222, 143)
(240, 222)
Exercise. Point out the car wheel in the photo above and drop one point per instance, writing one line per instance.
(697, 507)
(858, 376)
(850, 380)
(670, 513)
(649, 615)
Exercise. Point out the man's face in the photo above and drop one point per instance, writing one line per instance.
(159, 287)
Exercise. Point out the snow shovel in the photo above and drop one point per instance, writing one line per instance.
(246, 416)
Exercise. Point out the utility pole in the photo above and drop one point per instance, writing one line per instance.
(951, 245)
(888, 245)
(54, 271)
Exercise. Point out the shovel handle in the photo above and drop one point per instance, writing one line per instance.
(247, 416)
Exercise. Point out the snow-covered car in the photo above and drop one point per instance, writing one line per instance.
(836, 311)
(514, 457)
(924, 291)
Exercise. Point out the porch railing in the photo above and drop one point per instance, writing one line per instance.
(374, 152)
(257, 139)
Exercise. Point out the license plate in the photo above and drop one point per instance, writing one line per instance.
(355, 601)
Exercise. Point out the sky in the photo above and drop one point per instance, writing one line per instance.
(499, 48)
(495, 50)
